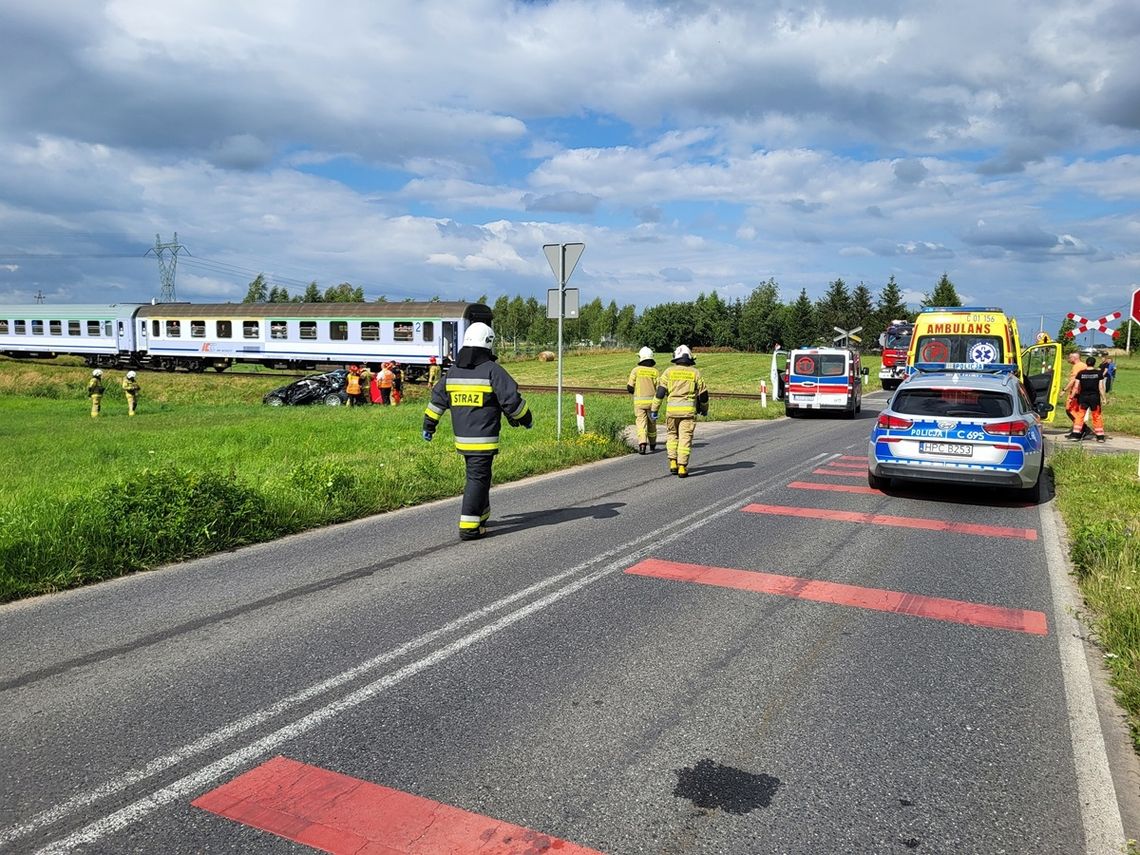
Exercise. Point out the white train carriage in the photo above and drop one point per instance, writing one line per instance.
(101, 334)
(302, 335)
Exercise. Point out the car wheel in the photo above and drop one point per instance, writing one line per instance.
(791, 413)
(333, 400)
(875, 482)
(275, 401)
(1035, 494)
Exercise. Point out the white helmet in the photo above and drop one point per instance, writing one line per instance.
(479, 335)
(645, 353)
(681, 352)
(98, 372)
(130, 375)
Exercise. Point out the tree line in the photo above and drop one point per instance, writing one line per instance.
(755, 323)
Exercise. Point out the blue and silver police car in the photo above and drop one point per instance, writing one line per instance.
(964, 423)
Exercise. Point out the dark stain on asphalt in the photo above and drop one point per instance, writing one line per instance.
(711, 785)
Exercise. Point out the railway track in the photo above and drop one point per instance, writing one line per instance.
(601, 390)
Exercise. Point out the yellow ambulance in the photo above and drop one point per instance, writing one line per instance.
(963, 337)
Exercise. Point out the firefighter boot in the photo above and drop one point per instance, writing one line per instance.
(682, 471)
(641, 448)
(672, 467)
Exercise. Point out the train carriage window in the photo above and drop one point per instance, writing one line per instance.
(309, 330)
(338, 330)
(93, 329)
(251, 329)
(3, 328)
(37, 327)
(429, 331)
(55, 327)
(197, 329)
(370, 331)
(278, 329)
(402, 331)
(174, 329)
(156, 328)
(21, 327)
(107, 328)
(225, 329)
(73, 328)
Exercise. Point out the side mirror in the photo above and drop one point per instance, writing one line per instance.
(866, 372)
(1043, 408)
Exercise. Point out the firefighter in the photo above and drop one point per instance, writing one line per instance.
(365, 384)
(131, 390)
(433, 373)
(352, 385)
(642, 384)
(479, 392)
(95, 391)
(688, 397)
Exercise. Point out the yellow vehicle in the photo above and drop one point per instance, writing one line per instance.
(960, 337)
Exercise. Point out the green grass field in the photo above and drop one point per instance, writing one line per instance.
(206, 467)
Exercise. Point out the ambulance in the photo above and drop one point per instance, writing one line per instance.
(824, 378)
(965, 337)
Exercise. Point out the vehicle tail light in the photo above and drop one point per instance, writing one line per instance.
(889, 422)
(1014, 428)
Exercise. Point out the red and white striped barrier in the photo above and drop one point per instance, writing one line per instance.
(580, 409)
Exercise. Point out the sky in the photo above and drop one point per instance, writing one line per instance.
(431, 149)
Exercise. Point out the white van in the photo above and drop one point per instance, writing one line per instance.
(824, 378)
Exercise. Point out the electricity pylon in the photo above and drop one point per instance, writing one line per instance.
(166, 270)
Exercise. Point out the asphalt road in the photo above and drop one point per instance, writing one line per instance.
(581, 673)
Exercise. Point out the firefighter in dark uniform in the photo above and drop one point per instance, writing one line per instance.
(681, 383)
(479, 392)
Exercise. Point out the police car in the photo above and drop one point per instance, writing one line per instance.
(970, 423)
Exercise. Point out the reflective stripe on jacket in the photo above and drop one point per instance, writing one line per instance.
(643, 384)
(478, 397)
(684, 387)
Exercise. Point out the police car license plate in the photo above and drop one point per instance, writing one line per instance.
(952, 449)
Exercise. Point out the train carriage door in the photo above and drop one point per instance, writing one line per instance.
(142, 340)
(450, 337)
(1041, 364)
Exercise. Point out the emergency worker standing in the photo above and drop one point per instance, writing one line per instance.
(688, 397)
(1072, 387)
(95, 391)
(397, 383)
(642, 384)
(384, 382)
(1090, 392)
(479, 392)
(352, 385)
(433, 373)
(131, 390)
(365, 384)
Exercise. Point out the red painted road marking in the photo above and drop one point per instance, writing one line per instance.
(915, 605)
(846, 473)
(347, 816)
(862, 457)
(835, 488)
(901, 522)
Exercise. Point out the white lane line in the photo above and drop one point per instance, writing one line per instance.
(1100, 812)
(630, 552)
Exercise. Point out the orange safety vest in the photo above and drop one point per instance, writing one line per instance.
(386, 378)
(352, 387)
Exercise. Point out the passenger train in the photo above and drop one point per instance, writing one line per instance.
(197, 336)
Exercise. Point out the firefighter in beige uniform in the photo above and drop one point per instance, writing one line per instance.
(688, 397)
(131, 390)
(642, 384)
(95, 391)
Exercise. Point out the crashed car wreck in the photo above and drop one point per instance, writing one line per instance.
(315, 389)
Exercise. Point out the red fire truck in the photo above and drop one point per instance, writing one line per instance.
(895, 343)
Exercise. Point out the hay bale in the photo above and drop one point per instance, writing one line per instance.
(546, 356)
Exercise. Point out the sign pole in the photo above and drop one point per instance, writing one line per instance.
(561, 312)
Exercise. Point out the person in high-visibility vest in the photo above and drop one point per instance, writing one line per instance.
(433, 372)
(352, 385)
(384, 381)
(479, 392)
(642, 384)
(681, 383)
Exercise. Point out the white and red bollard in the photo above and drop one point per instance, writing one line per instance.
(580, 409)
(764, 394)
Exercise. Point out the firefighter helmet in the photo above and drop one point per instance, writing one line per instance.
(682, 352)
(131, 375)
(479, 335)
(98, 372)
(645, 353)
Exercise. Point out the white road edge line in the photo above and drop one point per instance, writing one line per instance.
(1100, 812)
(192, 783)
